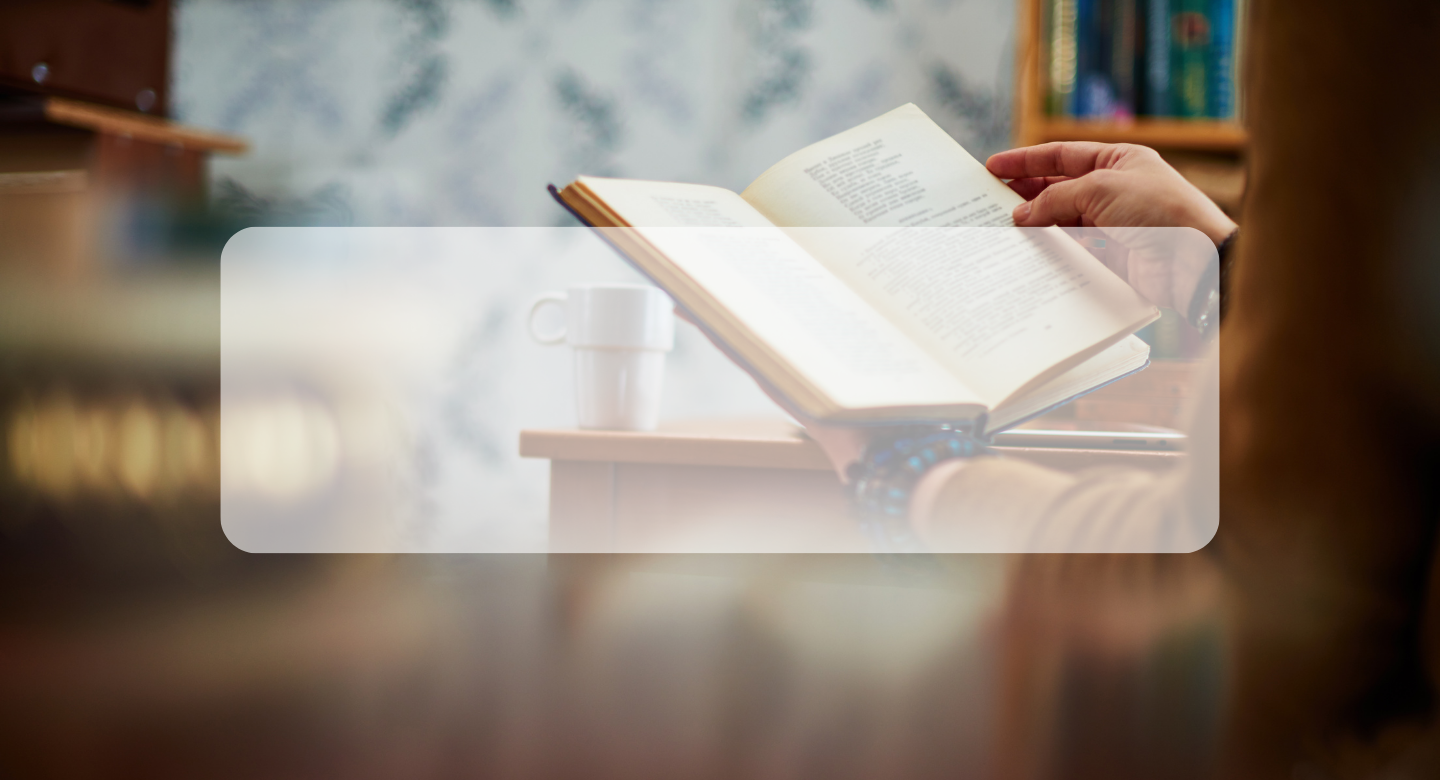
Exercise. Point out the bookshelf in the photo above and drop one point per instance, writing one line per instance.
(1187, 134)
(1209, 153)
(1033, 125)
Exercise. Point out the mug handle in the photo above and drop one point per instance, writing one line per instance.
(548, 298)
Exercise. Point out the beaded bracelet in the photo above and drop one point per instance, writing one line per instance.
(883, 481)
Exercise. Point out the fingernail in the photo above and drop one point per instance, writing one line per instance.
(1021, 212)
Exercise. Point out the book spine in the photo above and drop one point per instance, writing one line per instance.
(1094, 90)
(1084, 55)
(1238, 66)
(1189, 55)
(1220, 101)
(1062, 57)
(1123, 57)
(1157, 58)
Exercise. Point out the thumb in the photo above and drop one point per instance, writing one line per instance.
(1063, 203)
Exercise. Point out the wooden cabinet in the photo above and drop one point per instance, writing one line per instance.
(69, 168)
(114, 52)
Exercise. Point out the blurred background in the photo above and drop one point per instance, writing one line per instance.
(138, 136)
(443, 114)
(449, 113)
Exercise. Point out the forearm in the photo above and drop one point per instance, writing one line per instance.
(1007, 505)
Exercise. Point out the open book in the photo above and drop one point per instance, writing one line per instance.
(877, 276)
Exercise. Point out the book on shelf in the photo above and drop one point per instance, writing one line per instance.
(1221, 75)
(1060, 63)
(1106, 50)
(1156, 53)
(1117, 59)
(830, 280)
(1125, 28)
(1092, 77)
(1189, 57)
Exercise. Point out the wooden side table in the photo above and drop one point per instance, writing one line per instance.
(734, 486)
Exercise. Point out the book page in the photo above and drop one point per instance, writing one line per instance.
(919, 229)
(1130, 354)
(1003, 308)
(780, 297)
(897, 169)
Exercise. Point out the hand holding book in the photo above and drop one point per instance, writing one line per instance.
(1124, 189)
(876, 277)
(883, 280)
(1113, 187)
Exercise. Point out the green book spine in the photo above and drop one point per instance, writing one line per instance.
(1190, 37)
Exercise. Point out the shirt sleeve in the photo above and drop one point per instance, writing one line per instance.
(995, 504)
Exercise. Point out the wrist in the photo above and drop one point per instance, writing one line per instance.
(1207, 301)
(1217, 230)
(1192, 260)
(884, 481)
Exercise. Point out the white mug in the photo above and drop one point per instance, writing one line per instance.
(620, 334)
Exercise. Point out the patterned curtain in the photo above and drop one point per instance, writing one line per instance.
(457, 112)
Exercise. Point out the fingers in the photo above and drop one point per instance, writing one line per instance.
(1064, 203)
(1029, 188)
(1068, 158)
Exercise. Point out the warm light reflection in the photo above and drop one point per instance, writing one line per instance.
(187, 448)
(281, 448)
(139, 440)
(150, 449)
(40, 454)
(94, 439)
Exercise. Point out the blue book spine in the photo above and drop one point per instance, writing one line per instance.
(1220, 102)
(1125, 57)
(1094, 87)
(1157, 58)
(1084, 56)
